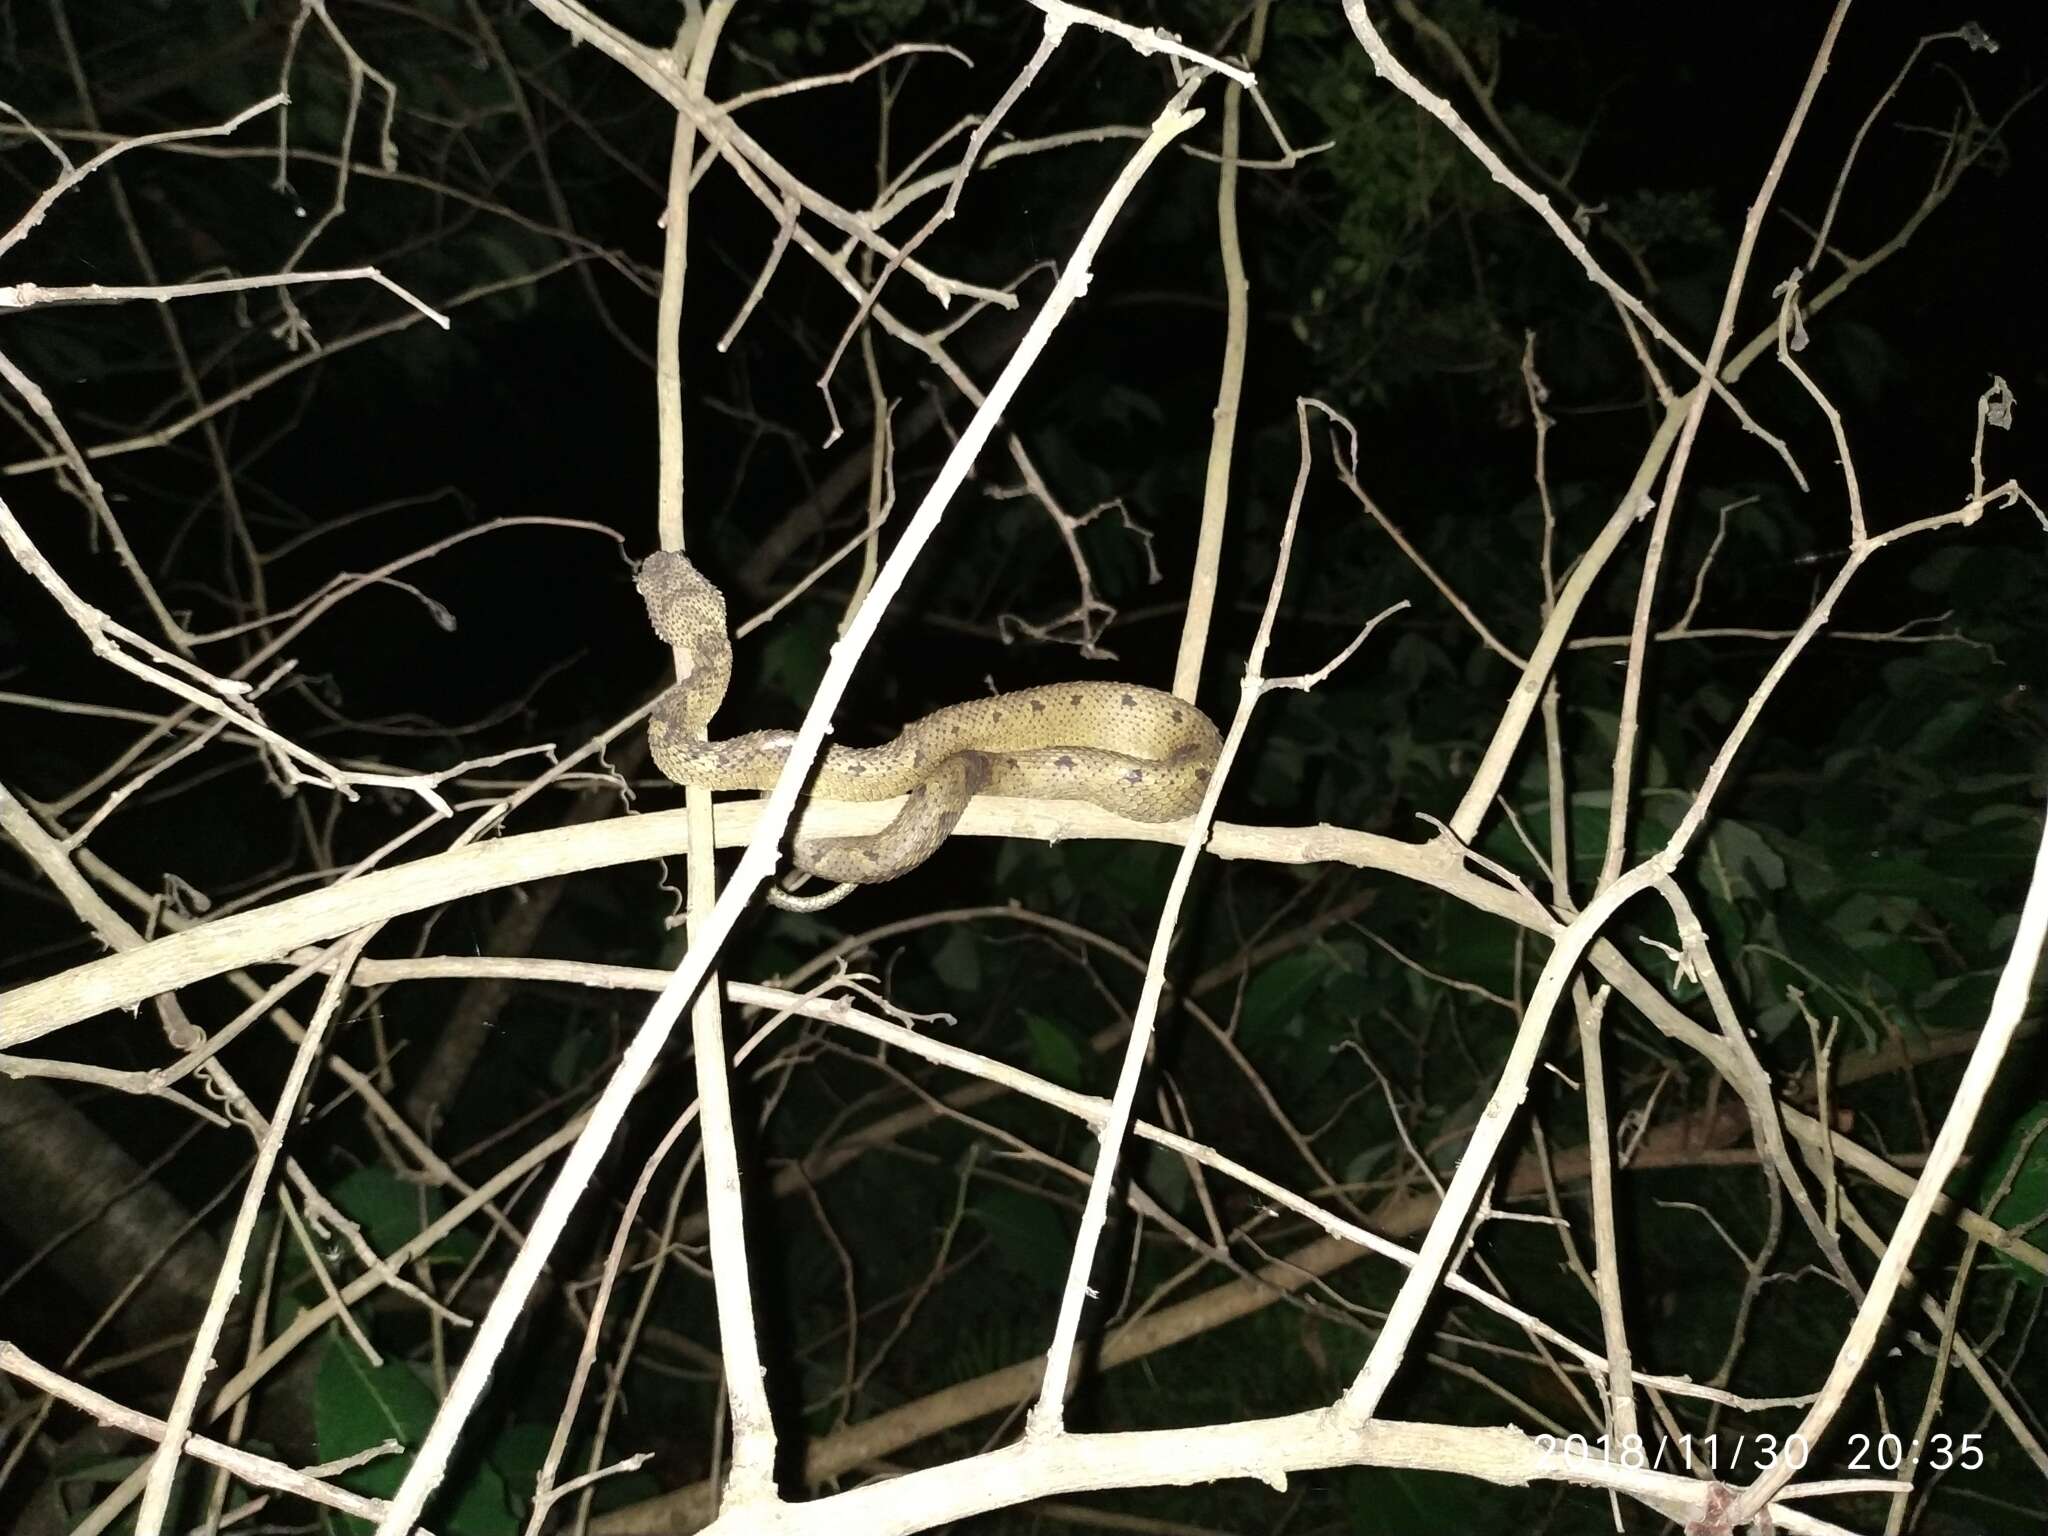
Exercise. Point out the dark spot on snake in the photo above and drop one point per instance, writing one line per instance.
(1074, 700)
(1201, 775)
(1135, 776)
(1129, 702)
(1063, 761)
(1038, 706)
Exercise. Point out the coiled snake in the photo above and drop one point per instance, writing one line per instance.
(1135, 751)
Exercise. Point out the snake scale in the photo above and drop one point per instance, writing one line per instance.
(1135, 751)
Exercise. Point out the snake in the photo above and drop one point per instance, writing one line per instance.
(1136, 751)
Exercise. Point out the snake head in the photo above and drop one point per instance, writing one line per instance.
(681, 603)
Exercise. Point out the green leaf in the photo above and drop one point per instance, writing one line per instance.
(1817, 947)
(1281, 990)
(1902, 963)
(392, 1212)
(1471, 946)
(357, 1405)
(81, 1473)
(578, 1052)
(1949, 898)
(1166, 1176)
(1055, 1053)
(518, 1452)
(1998, 845)
(1958, 1002)
(2021, 1170)
(793, 660)
(1027, 1233)
(1748, 859)
(957, 961)
(388, 1210)
(1950, 723)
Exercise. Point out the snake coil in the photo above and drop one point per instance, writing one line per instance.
(1135, 751)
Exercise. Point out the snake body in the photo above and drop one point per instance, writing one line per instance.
(1135, 751)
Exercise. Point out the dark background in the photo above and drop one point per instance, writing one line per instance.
(1869, 851)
